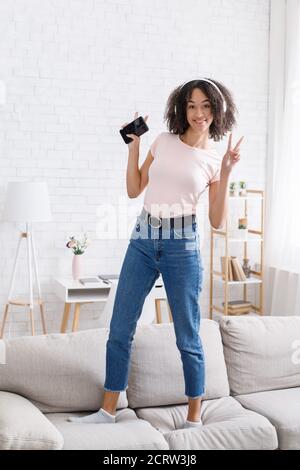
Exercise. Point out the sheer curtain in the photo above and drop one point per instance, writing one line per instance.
(282, 227)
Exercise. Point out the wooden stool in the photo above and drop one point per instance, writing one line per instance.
(24, 304)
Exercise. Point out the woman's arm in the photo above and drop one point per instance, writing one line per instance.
(218, 202)
(218, 191)
(133, 175)
(144, 177)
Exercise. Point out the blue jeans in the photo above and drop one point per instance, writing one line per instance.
(176, 255)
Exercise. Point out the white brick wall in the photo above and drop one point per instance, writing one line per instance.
(75, 71)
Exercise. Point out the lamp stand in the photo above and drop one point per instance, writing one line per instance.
(31, 256)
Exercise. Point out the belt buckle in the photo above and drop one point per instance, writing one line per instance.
(158, 218)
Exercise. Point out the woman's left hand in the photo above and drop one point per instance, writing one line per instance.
(231, 156)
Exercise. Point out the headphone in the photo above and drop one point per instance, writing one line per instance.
(212, 83)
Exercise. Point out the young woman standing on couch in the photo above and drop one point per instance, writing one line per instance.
(179, 167)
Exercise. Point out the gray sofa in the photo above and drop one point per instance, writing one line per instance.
(251, 402)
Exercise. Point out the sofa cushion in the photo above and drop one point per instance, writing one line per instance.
(24, 427)
(58, 372)
(261, 353)
(282, 408)
(128, 432)
(156, 373)
(226, 425)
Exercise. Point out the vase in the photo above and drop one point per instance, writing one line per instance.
(246, 267)
(77, 267)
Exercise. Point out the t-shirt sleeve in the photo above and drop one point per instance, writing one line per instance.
(154, 145)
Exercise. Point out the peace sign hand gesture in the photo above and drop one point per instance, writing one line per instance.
(231, 156)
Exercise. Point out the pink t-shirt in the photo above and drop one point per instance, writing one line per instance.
(178, 175)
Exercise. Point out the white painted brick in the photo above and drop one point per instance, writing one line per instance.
(75, 72)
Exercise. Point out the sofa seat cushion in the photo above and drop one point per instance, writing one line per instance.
(128, 432)
(58, 372)
(226, 425)
(282, 408)
(24, 427)
(156, 371)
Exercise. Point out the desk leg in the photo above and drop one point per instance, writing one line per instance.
(64, 322)
(170, 313)
(43, 316)
(4, 320)
(76, 317)
(158, 310)
(31, 320)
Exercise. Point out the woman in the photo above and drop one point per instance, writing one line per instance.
(179, 167)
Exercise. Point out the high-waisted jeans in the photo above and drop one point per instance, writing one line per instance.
(176, 255)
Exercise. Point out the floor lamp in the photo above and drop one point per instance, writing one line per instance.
(26, 202)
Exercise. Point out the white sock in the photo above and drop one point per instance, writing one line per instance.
(101, 416)
(192, 424)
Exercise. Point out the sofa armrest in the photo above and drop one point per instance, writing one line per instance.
(24, 427)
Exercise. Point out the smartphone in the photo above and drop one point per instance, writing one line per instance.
(137, 127)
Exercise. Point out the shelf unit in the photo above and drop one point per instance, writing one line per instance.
(256, 236)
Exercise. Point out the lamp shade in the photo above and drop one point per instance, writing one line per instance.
(27, 202)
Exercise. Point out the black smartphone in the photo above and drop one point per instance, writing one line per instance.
(137, 127)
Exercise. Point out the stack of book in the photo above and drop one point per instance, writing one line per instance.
(236, 307)
(93, 282)
(99, 280)
(107, 277)
(235, 270)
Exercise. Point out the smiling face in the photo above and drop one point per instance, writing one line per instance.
(199, 111)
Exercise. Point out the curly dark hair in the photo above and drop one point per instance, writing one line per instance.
(175, 112)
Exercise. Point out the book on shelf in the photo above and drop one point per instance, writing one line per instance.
(223, 267)
(238, 312)
(236, 307)
(238, 273)
(238, 303)
(91, 281)
(235, 270)
(107, 277)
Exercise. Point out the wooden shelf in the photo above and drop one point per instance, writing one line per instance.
(248, 281)
(220, 309)
(252, 236)
(243, 198)
(245, 239)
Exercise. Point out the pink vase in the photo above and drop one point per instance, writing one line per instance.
(77, 267)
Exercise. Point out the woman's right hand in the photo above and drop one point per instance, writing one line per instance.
(135, 143)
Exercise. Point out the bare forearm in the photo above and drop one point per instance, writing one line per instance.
(133, 175)
(220, 207)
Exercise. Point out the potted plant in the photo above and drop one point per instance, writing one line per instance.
(243, 190)
(78, 246)
(232, 189)
(243, 230)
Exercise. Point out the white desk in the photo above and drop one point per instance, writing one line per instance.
(73, 292)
